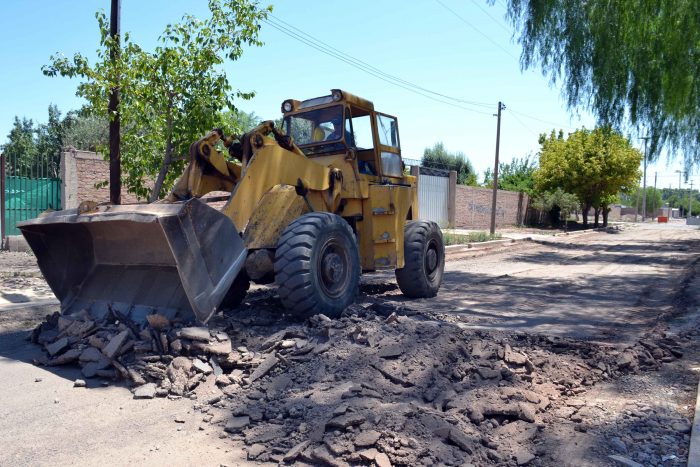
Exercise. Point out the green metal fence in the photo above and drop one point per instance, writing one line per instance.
(29, 187)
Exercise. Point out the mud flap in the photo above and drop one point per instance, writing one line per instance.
(175, 259)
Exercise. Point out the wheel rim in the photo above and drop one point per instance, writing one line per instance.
(431, 262)
(333, 268)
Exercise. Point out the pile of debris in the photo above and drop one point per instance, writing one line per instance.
(150, 356)
(373, 387)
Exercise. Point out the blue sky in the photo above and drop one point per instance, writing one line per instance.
(471, 57)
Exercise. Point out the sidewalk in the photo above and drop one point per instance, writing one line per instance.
(511, 233)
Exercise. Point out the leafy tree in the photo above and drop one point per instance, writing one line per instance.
(85, 131)
(516, 175)
(682, 203)
(679, 199)
(654, 199)
(558, 204)
(632, 61)
(595, 165)
(438, 157)
(171, 96)
(89, 132)
(21, 147)
(50, 141)
(695, 208)
(238, 122)
(35, 149)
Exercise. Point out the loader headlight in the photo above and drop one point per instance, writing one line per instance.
(337, 95)
(287, 106)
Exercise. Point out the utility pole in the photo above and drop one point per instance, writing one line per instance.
(495, 169)
(115, 169)
(653, 206)
(680, 195)
(690, 200)
(644, 196)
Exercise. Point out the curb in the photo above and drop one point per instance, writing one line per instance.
(486, 245)
(587, 231)
(455, 252)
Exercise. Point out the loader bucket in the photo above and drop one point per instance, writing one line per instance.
(176, 259)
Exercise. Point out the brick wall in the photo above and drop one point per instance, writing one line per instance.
(473, 207)
(80, 171)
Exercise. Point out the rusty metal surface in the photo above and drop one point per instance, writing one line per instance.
(176, 259)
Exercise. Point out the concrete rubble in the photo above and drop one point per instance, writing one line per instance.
(375, 387)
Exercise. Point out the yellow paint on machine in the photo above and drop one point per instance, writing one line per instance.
(390, 205)
(271, 166)
(280, 204)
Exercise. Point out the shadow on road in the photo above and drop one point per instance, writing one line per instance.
(15, 348)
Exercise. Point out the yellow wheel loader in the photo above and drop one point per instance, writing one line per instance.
(309, 207)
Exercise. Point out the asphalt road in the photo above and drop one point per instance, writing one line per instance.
(608, 287)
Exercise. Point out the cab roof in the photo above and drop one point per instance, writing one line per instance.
(336, 96)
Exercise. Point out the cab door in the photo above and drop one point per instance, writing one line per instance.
(388, 145)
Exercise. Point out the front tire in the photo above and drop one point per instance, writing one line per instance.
(317, 265)
(424, 260)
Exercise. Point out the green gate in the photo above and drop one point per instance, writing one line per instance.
(29, 187)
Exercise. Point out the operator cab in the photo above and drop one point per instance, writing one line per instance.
(342, 123)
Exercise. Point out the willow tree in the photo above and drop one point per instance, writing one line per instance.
(594, 165)
(634, 63)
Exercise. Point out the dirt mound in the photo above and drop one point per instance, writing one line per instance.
(376, 386)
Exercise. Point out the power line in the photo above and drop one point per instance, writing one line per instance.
(387, 75)
(523, 125)
(540, 120)
(489, 15)
(329, 50)
(368, 71)
(475, 29)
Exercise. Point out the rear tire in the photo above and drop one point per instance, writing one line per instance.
(237, 292)
(424, 260)
(317, 265)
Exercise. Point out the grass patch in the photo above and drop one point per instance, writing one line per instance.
(451, 238)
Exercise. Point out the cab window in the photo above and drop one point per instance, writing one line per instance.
(362, 133)
(388, 131)
(315, 126)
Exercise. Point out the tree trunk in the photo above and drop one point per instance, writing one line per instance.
(554, 216)
(596, 216)
(606, 211)
(585, 208)
(167, 160)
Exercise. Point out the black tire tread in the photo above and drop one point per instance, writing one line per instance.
(293, 273)
(411, 278)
